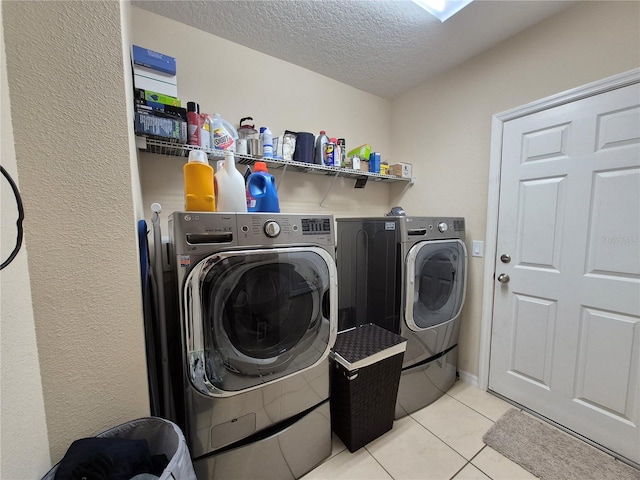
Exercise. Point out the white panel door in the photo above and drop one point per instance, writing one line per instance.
(565, 337)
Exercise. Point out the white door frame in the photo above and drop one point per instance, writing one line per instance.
(595, 88)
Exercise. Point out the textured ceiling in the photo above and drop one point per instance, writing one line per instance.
(382, 47)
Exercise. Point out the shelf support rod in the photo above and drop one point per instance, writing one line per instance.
(330, 187)
(284, 170)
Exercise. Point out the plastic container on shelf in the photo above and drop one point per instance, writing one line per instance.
(199, 193)
(223, 135)
(205, 131)
(321, 141)
(330, 153)
(230, 187)
(262, 195)
(374, 162)
(267, 142)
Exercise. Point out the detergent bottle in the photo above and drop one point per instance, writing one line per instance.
(199, 193)
(262, 195)
(230, 188)
(223, 135)
(321, 141)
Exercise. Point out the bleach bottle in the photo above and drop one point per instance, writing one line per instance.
(198, 183)
(223, 135)
(230, 191)
(262, 195)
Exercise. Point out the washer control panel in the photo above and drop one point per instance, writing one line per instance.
(279, 229)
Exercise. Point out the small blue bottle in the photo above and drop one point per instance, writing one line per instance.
(262, 195)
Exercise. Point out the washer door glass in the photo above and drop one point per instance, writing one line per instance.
(435, 283)
(264, 314)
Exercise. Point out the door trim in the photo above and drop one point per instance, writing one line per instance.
(497, 126)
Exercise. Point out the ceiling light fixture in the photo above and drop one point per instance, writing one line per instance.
(442, 9)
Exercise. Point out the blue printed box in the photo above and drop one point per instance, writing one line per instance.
(154, 71)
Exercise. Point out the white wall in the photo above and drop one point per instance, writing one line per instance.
(21, 455)
(237, 82)
(586, 42)
(71, 130)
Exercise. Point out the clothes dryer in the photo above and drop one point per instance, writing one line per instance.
(256, 315)
(407, 275)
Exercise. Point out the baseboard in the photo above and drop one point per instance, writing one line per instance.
(468, 378)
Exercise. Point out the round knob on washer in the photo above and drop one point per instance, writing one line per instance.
(443, 227)
(271, 229)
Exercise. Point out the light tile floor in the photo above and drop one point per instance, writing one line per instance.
(440, 442)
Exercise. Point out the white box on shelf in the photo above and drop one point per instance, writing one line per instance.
(154, 71)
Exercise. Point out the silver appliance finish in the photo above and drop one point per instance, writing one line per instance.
(254, 377)
(427, 306)
(423, 381)
(439, 235)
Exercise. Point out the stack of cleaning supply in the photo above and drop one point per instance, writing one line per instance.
(262, 195)
(199, 195)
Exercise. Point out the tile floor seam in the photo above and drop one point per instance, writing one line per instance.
(461, 468)
(381, 466)
(432, 433)
(476, 466)
(469, 406)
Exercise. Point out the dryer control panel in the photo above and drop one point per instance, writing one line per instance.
(431, 228)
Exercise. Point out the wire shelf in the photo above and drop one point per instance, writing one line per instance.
(153, 145)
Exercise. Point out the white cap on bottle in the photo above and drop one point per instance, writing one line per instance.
(198, 156)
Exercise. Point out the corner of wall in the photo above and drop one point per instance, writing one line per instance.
(21, 456)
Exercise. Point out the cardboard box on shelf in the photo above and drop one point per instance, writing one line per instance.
(154, 71)
(402, 170)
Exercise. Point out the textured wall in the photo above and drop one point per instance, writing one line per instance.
(71, 130)
(454, 111)
(21, 456)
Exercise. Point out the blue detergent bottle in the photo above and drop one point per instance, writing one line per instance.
(262, 195)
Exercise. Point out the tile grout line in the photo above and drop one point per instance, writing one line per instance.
(463, 457)
(469, 463)
(469, 406)
(443, 441)
(381, 466)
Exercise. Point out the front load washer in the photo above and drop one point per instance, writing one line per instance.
(256, 310)
(407, 275)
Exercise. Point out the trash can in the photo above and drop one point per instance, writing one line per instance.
(367, 362)
(162, 436)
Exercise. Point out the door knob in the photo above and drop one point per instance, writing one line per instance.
(503, 278)
(505, 258)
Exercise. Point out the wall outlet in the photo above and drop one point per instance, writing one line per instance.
(477, 249)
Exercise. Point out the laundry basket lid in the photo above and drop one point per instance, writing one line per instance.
(365, 345)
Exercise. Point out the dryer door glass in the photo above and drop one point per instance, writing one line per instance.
(435, 289)
(264, 314)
